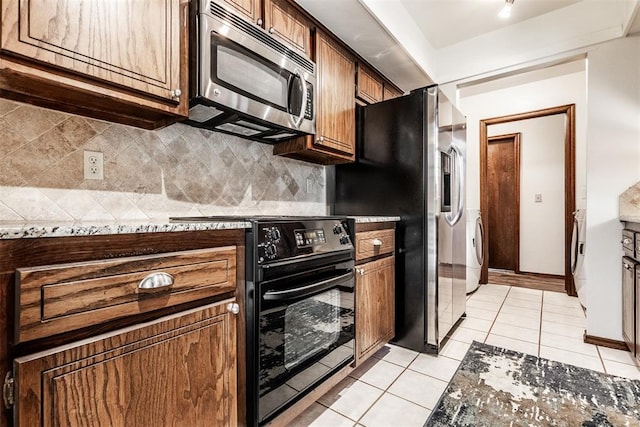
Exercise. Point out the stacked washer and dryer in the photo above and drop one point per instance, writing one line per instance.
(475, 239)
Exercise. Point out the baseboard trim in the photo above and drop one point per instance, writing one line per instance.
(605, 342)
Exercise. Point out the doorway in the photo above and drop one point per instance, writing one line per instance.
(503, 211)
(569, 182)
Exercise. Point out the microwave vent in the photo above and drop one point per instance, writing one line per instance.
(253, 31)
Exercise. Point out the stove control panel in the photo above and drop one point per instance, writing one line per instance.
(283, 239)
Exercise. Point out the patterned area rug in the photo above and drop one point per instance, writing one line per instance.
(498, 387)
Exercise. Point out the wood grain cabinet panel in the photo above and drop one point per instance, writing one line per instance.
(375, 312)
(54, 299)
(251, 10)
(179, 370)
(288, 25)
(389, 92)
(629, 277)
(334, 141)
(369, 86)
(375, 242)
(124, 61)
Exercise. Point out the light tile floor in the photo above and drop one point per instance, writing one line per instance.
(400, 387)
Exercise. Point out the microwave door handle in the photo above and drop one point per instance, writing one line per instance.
(303, 106)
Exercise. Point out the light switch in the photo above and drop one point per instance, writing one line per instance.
(538, 198)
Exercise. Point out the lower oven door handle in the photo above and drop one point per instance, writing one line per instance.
(308, 290)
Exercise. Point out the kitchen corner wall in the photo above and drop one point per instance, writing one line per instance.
(148, 175)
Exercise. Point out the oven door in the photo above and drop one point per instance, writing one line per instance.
(306, 333)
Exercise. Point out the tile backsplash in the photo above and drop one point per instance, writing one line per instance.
(176, 170)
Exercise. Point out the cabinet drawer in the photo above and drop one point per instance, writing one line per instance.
(375, 242)
(59, 298)
(628, 242)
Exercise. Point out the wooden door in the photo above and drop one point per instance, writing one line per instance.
(503, 187)
(179, 370)
(287, 24)
(335, 119)
(375, 306)
(248, 9)
(128, 43)
(628, 304)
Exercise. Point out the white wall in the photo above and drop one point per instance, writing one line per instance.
(613, 165)
(541, 172)
(560, 85)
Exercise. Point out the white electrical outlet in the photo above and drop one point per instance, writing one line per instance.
(538, 198)
(93, 165)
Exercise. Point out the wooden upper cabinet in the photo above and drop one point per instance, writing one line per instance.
(335, 118)
(251, 10)
(288, 25)
(334, 141)
(179, 370)
(390, 92)
(369, 86)
(128, 50)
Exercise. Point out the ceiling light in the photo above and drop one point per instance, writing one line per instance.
(506, 10)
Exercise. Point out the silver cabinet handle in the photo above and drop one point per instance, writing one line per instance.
(155, 281)
(320, 139)
(377, 242)
(176, 93)
(626, 241)
(271, 30)
(360, 271)
(233, 308)
(259, 22)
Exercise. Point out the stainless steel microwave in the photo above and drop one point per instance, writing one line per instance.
(244, 82)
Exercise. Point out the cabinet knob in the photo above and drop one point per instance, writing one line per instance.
(360, 271)
(320, 139)
(233, 308)
(271, 30)
(377, 242)
(259, 22)
(626, 241)
(175, 94)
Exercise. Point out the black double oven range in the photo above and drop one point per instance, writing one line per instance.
(299, 307)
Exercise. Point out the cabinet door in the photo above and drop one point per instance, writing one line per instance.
(390, 92)
(375, 306)
(335, 119)
(369, 86)
(177, 371)
(128, 43)
(636, 348)
(248, 9)
(628, 303)
(285, 23)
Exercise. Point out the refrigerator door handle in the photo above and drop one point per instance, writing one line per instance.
(459, 177)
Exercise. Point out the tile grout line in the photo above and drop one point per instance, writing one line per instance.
(497, 314)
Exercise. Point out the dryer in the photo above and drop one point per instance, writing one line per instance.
(578, 247)
(475, 238)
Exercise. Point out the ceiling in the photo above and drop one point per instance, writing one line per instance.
(419, 42)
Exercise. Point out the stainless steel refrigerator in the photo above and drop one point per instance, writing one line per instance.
(411, 163)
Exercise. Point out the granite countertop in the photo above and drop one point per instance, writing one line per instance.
(629, 204)
(21, 230)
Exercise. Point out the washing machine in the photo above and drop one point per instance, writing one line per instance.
(578, 246)
(475, 238)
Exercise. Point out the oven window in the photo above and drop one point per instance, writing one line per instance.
(310, 327)
(251, 76)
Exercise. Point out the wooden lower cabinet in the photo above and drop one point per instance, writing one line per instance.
(629, 303)
(375, 306)
(179, 370)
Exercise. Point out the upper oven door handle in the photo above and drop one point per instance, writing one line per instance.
(305, 291)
